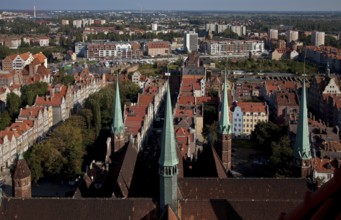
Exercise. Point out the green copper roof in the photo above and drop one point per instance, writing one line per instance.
(117, 124)
(302, 144)
(224, 124)
(168, 156)
(20, 156)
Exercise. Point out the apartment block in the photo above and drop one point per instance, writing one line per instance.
(317, 38)
(292, 36)
(227, 47)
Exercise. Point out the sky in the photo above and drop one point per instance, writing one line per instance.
(221, 5)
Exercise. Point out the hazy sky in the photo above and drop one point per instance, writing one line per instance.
(247, 5)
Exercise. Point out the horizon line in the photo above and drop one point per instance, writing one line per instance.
(176, 10)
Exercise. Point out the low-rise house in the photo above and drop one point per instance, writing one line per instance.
(42, 115)
(321, 87)
(57, 102)
(286, 107)
(16, 61)
(44, 41)
(6, 78)
(135, 77)
(323, 169)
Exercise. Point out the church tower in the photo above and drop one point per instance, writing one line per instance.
(117, 126)
(302, 150)
(224, 132)
(22, 179)
(168, 161)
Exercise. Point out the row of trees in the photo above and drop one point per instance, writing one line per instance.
(23, 26)
(281, 66)
(61, 155)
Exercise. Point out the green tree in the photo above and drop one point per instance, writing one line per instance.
(129, 91)
(5, 120)
(13, 104)
(29, 92)
(229, 34)
(210, 133)
(4, 52)
(331, 41)
(64, 79)
(34, 159)
(281, 156)
(67, 140)
(93, 105)
(265, 133)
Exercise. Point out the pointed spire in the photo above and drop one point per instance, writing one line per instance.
(328, 70)
(224, 124)
(20, 156)
(168, 156)
(117, 124)
(302, 144)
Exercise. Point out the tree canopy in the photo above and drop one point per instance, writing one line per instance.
(13, 102)
(29, 92)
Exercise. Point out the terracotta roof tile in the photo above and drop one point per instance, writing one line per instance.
(158, 44)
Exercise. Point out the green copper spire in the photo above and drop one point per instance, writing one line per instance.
(224, 124)
(168, 156)
(117, 126)
(302, 144)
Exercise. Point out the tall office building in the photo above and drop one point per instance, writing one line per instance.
(340, 38)
(191, 41)
(273, 34)
(292, 36)
(317, 38)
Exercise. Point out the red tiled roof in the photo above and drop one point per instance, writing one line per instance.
(25, 56)
(56, 100)
(186, 100)
(183, 113)
(252, 106)
(145, 100)
(287, 99)
(32, 111)
(323, 165)
(158, 44)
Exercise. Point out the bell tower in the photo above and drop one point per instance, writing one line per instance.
(302, 149)
(224, 132)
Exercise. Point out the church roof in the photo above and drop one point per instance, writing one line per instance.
(233, 209)
(243, 188)
(67, 208)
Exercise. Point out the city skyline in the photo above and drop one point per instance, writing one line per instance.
(218, 5)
